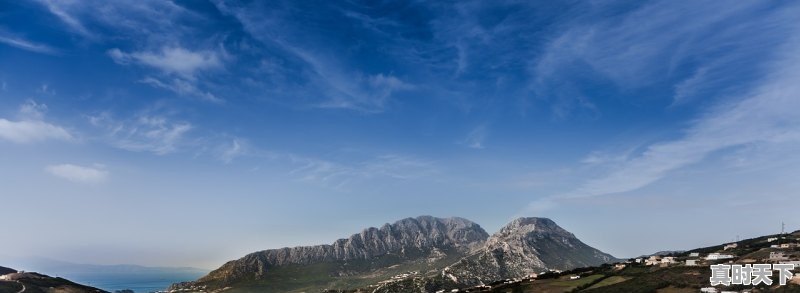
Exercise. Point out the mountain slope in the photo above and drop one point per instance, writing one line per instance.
(523, 247)
(423, 243)
(13, 281)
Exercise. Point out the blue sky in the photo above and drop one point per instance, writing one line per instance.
(192, 132)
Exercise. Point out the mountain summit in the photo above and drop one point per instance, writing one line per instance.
(523, 247)
(424, 246)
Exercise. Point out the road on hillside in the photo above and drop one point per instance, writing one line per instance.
(23, 287)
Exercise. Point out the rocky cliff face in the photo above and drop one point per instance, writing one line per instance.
(525, 246)
(407, 239)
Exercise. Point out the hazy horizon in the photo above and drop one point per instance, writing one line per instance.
(190, 133)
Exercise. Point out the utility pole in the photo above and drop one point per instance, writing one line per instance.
(783, 228)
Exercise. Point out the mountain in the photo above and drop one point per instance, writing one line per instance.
(428, 252)
(523, 247)
(423, 243)
(12, 281)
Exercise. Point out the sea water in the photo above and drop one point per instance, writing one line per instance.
(139, 283)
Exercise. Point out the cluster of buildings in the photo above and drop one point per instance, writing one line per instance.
(657, 260)
(692, 260)
(399, 277)
(193, 289)
(727, 253)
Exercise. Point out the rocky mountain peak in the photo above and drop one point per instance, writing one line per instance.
(525, 246)
(408, 238)
(521, 228)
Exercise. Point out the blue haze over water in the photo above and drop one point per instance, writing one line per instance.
(147, 282)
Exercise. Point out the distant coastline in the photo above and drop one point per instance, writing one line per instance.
(140, 279)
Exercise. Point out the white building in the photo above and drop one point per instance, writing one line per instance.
(730, 246)
(775, 256)
(652, 260)
(717, 256)
(709, 290)
(668, 260)
(694, 254)
(691, 262)
(772, 239)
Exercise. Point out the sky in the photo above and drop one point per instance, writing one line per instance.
(189, 133)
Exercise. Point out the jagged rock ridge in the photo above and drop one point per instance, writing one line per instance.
(406, 238)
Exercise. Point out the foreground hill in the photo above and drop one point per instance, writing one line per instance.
(424, 247)
(12, 281)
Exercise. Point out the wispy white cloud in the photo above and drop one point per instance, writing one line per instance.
(171, 60)
(633, 49)
(701, 45)
(347, 90)
(151, 19)
(31, 131)
(28, 45)
(475, 138)
(179, 67)
(31, 127)
(32, 110)
(182, 87)
(235, 149)
(45, 89)
(630, 52)
(60, 8)
(689, 87)
(143, 133)
(79, 174)
(340, 175)
(365, 93)
(156, 28)
(764, 117)
(340, 85)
